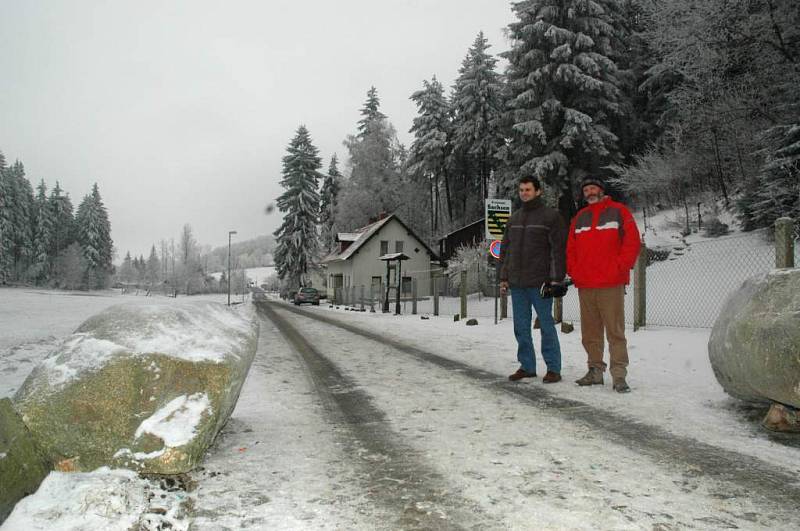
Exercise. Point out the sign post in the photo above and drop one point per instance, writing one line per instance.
(497, 213)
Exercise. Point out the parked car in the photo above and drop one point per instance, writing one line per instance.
(308, 295)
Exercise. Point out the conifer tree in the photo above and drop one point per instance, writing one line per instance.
(125, 272)
(328, 201)
(19, 204)
(297, 239)
(477, 103)
(153, 268)
(563, 88)
(5, 224)
(44, 233)
(63, 220)
(428, 157)
(94, 237)
(375, 172)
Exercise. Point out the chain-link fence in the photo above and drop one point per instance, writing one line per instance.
(685, 287)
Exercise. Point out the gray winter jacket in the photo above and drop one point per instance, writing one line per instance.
(534, 246)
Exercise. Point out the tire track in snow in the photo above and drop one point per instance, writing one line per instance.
(396, 477)
(746, 475)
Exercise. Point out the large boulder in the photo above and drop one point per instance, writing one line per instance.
(754, 346)
(22, 466)
(145, 387)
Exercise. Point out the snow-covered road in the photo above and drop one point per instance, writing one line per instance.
(363, 432)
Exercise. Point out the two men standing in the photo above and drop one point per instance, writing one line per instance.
(601, 248)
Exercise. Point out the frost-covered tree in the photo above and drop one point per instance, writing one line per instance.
(19, 215)
(126, 269)
(375, 156)
(43, 234)
(328, 202)
(63, 221)
(94, 237)
(477, 103)
(6, 263)
(153, 268)
(430, 150)
(563, 89)
(297, 240)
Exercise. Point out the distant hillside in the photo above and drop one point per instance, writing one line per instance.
(250, 253)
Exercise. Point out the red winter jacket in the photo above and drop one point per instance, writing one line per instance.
(602, 246)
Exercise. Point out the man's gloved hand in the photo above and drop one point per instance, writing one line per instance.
(553, 289)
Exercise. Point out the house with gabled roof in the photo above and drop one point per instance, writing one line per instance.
(357, 259)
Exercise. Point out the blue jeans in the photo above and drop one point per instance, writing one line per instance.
(522, 299)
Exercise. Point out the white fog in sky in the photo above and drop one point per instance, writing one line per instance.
(182, 110)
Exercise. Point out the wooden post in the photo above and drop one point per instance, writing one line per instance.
(436, 293)
(640, 290)
(372, 298)
(784, 243)
(462, 291)
(362, 298)
(414, 296)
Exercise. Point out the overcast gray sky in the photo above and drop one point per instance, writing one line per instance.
(182, 110)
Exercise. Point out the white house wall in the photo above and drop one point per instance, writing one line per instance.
(366, 264)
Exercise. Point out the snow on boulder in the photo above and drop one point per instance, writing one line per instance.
(141, 387)
(754, 346)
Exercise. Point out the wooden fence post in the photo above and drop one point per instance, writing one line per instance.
(462, 291)
(362, 297)
(640, 290)
(414, 296)
(784, 243)
(436, 293)
(558, 309)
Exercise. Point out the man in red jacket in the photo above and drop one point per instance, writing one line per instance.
(602, 247)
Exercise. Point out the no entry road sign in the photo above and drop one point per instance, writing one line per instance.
(494, 248)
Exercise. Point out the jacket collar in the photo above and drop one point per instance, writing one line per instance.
(533, 204)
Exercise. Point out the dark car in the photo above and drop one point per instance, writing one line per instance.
(307, 295)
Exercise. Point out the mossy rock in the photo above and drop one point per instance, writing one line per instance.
(754, 346)
(142, 387)
(22, 465)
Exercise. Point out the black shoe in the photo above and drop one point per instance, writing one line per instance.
(520, 374)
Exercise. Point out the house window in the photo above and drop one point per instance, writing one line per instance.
(384, 247)
(406, 285)
(398, 246)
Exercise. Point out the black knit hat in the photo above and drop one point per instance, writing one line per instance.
(591, 179)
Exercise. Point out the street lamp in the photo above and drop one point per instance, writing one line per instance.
(230, 233)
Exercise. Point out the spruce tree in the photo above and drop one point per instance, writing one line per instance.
(428, 157)
(63, 220)
(44, 234)
(328, 200)
(477, 103)
(153, 268)
(297, 239)
(6, 264)
(563, 90)
(20, 206)
(125, 272)
(94, 237)
(371, 114)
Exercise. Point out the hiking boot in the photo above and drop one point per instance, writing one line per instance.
(520, 374)
(551, 377)
(621, 386)
(593, 377)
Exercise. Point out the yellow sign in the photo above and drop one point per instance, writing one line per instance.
(497, 213)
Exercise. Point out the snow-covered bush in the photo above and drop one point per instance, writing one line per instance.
(474, 260)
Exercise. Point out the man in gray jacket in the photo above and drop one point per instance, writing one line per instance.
(532, 255)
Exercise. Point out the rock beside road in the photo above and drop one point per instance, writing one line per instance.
(754, 346)
(141, 387)
(22, 466)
